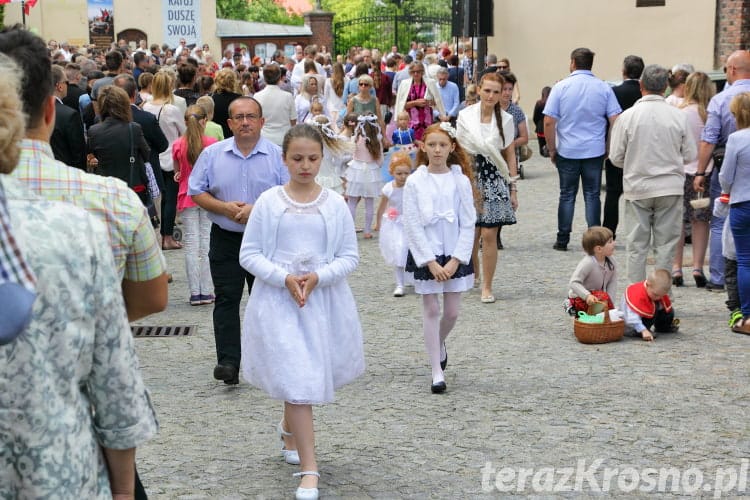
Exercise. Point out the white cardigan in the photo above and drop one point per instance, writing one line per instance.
(431, 92)
(470, 136)
(261, 233)
(418, 212)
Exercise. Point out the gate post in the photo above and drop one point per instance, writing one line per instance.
(321, 25)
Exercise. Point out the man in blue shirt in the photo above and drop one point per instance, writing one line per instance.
(719, 124)
(576, 116)
(449, 93)
(226, 180)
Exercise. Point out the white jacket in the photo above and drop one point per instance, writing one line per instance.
(261, 233)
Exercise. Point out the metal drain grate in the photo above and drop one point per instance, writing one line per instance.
(163, 331)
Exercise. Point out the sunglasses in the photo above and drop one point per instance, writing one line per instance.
(502, 67)
(363, 84)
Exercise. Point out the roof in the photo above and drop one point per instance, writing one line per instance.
(226, 28)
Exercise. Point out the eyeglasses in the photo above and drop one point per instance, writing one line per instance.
(248, 117)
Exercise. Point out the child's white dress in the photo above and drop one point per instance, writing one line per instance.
(392, 240)
(363, 174)
(329, 175)
(439, 217)
(300, 355)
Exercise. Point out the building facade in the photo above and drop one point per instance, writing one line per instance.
(537, 37)
(80, 22)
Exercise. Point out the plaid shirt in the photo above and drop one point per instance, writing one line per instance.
(134, 244)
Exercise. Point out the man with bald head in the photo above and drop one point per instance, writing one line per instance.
(719, 124)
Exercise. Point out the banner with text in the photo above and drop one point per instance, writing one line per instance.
(182, 19)
(101, 22)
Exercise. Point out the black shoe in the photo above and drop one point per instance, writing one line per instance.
(713, 287)
(228, 373)
(444, 362)
(563, 247)
(499, 242)
(438, 388)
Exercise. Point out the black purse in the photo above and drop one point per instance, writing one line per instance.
(136, 184)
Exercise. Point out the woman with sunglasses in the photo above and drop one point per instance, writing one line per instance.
(364, 103)
(417, 96)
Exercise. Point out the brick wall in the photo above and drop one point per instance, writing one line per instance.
(732, 28)
(321, 25)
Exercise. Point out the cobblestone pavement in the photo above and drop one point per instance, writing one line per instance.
(522, 393)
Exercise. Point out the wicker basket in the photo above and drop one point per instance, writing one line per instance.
(599, 333)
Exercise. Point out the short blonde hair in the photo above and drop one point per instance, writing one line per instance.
(366, 79)
(12, 119)
(207, 104)
(740, 108)
(225, 81)
(660, 280)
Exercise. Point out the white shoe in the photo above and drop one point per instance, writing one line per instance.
(398, 291)
(290, 456)
(307, 493)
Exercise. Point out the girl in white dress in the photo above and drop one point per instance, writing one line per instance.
(439, 217)
(301, 335)
(337, 151)
(392, 241)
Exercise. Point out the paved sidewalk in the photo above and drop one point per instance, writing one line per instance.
(522, 393)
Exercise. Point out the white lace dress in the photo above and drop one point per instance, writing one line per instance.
(392, 241)
(300, 355)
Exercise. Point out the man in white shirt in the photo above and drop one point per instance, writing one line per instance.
(299, 69)
(651, 142)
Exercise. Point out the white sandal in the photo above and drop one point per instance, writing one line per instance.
(306, 493)
(290, 456)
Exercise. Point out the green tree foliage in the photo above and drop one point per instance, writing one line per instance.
(232, 9)
(268, 11)
(383, 33)
(262, 11)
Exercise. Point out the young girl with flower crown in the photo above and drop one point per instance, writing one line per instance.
(363, 174)
(391, 240)
(337, 150)
(439, 217)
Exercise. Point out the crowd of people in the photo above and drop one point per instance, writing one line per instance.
(264, 166)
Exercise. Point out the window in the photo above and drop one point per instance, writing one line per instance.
(650, 3)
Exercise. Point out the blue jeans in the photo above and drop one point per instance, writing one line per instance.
(739, 222)
(715, 257)
(589, 170)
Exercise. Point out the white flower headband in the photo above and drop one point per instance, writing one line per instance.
(446, 127)
(325, 128)
(372, 120)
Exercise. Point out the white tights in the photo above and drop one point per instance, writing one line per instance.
(369, 210)
(437, 328)
(399, 273)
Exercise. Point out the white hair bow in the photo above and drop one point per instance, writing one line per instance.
(446, 127)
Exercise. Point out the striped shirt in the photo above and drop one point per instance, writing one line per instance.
(134, 244)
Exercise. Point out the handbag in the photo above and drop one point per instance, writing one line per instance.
(718, 156)
(524, 152)
(141, 189)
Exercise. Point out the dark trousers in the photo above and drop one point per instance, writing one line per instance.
(229, 282)
(140, 492)
(730, 284)
(613, 176)
(168, 204)
(662, 321)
